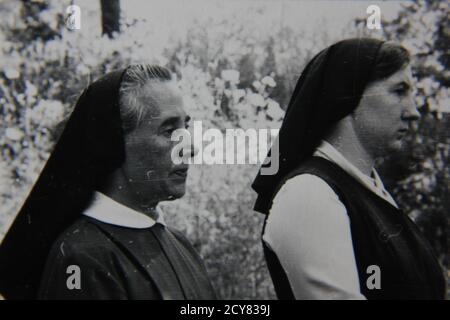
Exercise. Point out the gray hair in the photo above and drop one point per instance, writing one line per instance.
(137, 77)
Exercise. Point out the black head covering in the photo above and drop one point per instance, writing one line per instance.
(90, 147)
(329, 89)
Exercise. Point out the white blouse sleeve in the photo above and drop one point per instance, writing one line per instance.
(309, 230)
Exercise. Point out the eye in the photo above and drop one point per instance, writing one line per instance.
(168, 131)
(401, 91)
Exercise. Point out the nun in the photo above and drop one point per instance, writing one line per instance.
(332, 231)
(91, 228)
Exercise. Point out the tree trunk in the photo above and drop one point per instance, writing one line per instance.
(110, 16)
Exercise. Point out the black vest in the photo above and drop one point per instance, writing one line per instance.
(382, 235)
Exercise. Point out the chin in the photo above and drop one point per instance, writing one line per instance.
(396, 146)
(176, 192)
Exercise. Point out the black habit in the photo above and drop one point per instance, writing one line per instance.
(124, 263)
(50, 233)
(330, 88)
(382, 235)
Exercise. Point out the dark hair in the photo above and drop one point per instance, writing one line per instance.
(391, 58)
(135, 78)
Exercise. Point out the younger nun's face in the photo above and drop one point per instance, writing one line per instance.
(385, 113)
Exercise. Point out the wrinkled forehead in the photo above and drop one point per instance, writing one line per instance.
(162, 98)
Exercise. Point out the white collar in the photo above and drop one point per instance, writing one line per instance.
(327, 151)
(107, 210)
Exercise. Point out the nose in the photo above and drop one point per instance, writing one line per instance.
(411, 113)
(189, 150)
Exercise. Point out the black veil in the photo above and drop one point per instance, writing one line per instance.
(90, 147)
(329, 88)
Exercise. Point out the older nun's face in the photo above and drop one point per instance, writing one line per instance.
(385, 113)
(148, 166)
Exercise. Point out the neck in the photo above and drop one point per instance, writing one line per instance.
(346, 142)
(119, 189)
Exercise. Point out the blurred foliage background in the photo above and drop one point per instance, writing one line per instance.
(237, 69)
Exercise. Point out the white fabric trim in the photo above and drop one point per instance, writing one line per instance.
(327, 151)
(309, 230)
(107, 210)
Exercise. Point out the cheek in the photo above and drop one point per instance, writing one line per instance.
(390, 112)
(379, 114)
(149, 158)
(162, 152)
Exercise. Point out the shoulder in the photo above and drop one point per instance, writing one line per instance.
(304, 202)
(81, 240)
(305, 187)
(91, 257)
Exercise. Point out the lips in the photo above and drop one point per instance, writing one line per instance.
(180, 172)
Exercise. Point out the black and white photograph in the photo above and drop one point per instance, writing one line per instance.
(242, 150)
